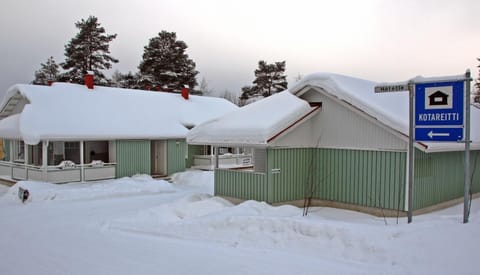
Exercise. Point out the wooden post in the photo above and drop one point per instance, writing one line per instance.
(45, 159)
(25, 159)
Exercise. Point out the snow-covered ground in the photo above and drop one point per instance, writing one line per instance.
(143, 226)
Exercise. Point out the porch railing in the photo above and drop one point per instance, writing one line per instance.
(55, 174)
(226, 161)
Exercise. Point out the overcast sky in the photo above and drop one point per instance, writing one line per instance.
(380, 40)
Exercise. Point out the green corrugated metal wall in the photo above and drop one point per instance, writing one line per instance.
(176, 156)
(194, 150)
(439, 177)
(241, 184)
(288, 172)
(366, 178)
(133, 157)
(475, 171)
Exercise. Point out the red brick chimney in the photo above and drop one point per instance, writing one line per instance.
(185, 92)
(89, 80)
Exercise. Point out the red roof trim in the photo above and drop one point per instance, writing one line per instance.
(293, 124)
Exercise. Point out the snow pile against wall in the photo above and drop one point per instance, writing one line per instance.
(252, 124)
(72, 112)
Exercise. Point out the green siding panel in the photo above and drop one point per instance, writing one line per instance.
(176, 156)
(289, 170)
(133, 157)
(439, 177)
(475, 171)
(366, 178)
(241, 184)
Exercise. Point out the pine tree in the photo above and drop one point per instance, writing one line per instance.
(231, 97)
(128, 80)
(247, 92)
(88, 51)
(270, 78)
(48, 72)
(477, 84)
(476, 90)
(203, 88)
(165, 63)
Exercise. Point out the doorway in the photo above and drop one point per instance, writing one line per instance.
(159, 157)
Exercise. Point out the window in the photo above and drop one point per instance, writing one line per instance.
(225, 150)
(35, 154)
(18, 151)
(56, 152)
(96, 150)
(72, 151)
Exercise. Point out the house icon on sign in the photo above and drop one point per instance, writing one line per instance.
(438, 98)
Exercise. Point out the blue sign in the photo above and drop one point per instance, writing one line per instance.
(438, 134)
(439, 111)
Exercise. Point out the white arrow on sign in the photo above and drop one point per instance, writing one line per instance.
(431, 134)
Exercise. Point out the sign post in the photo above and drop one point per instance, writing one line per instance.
(411, 148)
(466, 188)
(439, 111)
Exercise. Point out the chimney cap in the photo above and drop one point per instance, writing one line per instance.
(89, 82)
(185, 93)
(90, 73)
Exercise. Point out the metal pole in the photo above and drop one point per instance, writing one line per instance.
(411, 148)
(466, 196)
(82, 166)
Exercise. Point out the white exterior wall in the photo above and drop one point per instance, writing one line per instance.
(302, 135)
(339, 125)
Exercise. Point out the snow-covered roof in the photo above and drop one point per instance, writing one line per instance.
(67, 111)
(253, 124)
(391, 109)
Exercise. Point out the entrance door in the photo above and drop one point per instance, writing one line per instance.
(159, 157)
